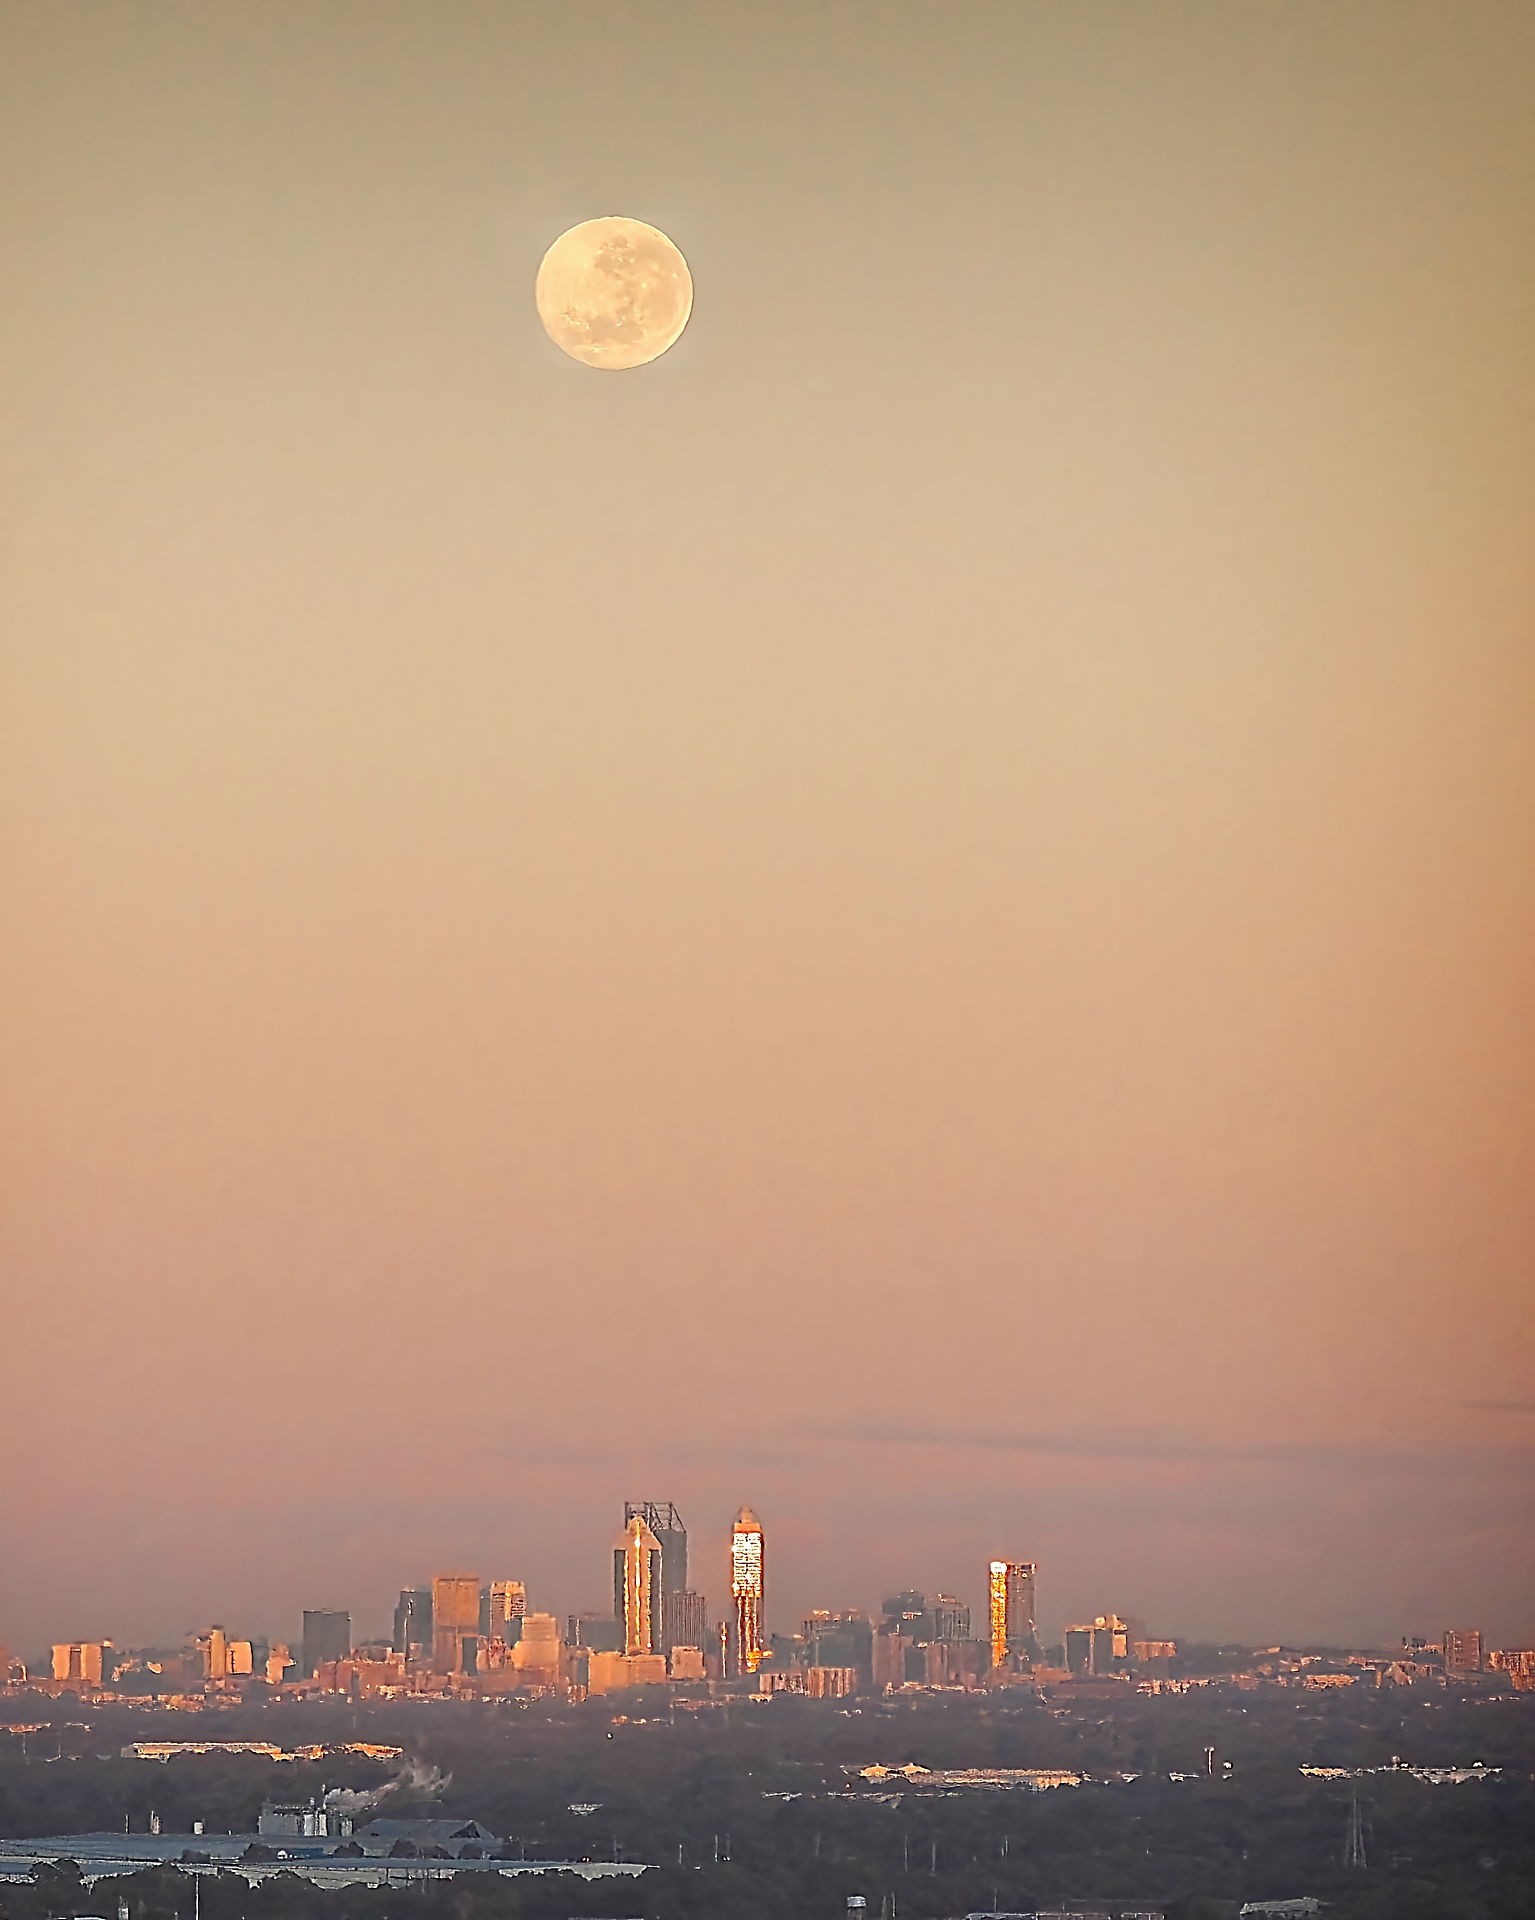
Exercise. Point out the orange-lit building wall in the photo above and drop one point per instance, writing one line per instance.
(747, 1588)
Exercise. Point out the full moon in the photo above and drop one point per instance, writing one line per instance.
(614, 293)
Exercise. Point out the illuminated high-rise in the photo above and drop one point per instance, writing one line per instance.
(502, 1603)
(215, 1651)
(664, 1521)
(455, 1621)
(84, 1661)
(638, 1587)
(746, 1588)
(1011, 1592)
(684, 1614)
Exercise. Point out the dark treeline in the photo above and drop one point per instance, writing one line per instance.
(745, 1813)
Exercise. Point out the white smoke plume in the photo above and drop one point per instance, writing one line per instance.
(414, 1778)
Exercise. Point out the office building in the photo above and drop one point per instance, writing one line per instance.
(637, 1586)
(539, 1655)
(85, 1661)
(413, 1623)
(831, 1683)
(845, 1639)
(953, 1663)
(504, 1603)
(455, 1622)
(327, 1636)
(215, 1651)
(1463, 1650)
(684, 1613)
(665, 1523)
(1010, 1590)
(612, 1672)
(687, 1663)
(1102, 1646)
(906, 1614)
(771, 1679)
(686, 1619)
(1078, 1644)
(595, 1632)
(887, 1657)
(949, 1618)
(748, 1588)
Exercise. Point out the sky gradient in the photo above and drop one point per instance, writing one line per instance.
(921, 914)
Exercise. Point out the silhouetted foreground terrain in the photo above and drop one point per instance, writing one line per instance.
(754, 1810)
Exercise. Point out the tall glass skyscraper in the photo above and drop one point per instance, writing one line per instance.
(638, 1586)
(746, 1588)
(1011, 1590)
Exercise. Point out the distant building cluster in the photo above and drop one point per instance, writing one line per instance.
(1456, 1660)
(460, 1634)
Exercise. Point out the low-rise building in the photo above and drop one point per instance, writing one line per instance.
(612, 1672)
(831, 1683)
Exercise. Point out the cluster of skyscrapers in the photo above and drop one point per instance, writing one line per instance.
(659, 1628)
(459, 1633)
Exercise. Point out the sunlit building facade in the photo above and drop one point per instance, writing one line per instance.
(638, 1587)
(82, 1661)
(1102, 1646)
(505, 1601)
(455, 1622)
(1010, 1591)
(747, 1588)
(684, 1613)
(664, 1521)
(1462, 1649)
(612, 1672)
(539, 1656)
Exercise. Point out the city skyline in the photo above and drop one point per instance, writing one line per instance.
(444, 1626)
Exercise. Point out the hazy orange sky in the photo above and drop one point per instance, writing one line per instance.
(922, 913)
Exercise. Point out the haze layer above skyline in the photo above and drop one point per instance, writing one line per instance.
(922, 914)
